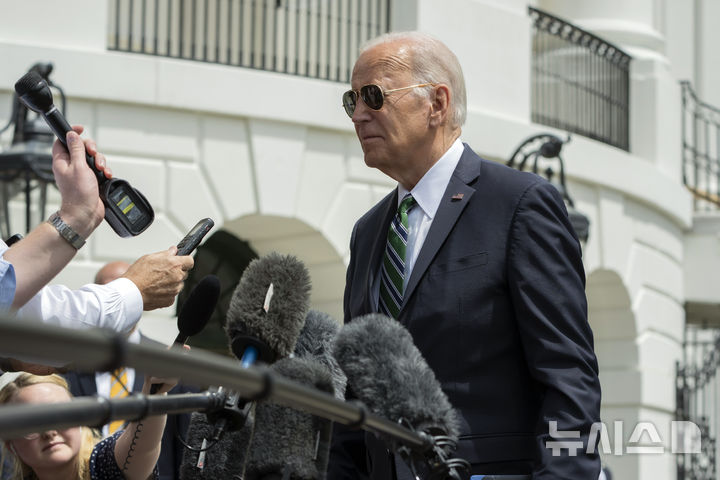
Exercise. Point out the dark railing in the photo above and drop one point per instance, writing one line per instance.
(701, 149)
(698, 401)
(314, 38)
(580, 83)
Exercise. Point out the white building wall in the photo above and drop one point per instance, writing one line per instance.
(273, 158)
(707, 56)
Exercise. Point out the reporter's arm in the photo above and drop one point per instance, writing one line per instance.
(138, 448)
(116, 306)
(40, 256)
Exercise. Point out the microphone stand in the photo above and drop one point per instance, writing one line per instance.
(20, 419)
(98, 350)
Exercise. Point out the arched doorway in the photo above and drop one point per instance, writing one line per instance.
(230, 249)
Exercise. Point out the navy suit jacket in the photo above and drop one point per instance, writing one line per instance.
(496, 304)
(83, 384)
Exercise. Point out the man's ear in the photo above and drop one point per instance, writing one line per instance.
(440, 104)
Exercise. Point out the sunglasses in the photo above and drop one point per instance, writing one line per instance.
(372, 95)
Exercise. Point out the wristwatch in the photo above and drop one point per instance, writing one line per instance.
(66, 231)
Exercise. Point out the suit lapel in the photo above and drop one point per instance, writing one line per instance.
(454, 200)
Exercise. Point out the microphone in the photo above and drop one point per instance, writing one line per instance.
(226, 455)
(276, 442)
(268, 309)
(290, 443)
(198, 308)
(34, 93)
(264, 319)
(196, 311)
(316, 341)
(389, 375)
(127, 210)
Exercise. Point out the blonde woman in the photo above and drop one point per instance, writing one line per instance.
(76, 453)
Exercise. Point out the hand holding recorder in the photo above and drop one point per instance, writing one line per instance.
(126, 209)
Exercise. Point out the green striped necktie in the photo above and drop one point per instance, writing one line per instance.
(392, 274)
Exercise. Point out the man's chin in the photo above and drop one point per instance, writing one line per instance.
(374, 158)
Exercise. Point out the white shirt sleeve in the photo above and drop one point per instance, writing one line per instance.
(116, 306)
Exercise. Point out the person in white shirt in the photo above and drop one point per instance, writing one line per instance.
(28, 265)
(153, 281)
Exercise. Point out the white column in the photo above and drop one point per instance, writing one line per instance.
(637, 24)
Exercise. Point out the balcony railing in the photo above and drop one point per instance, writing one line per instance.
(313, 38)
(580, 83)
(701, 150)
(698, 401)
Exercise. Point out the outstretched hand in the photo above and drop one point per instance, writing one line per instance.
(159, 277)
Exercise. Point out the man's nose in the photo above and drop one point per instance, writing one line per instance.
(362, 111)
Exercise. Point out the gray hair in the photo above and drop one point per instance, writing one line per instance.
(431, 61)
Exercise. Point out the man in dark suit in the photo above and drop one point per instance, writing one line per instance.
(482, 267)
(88, 384)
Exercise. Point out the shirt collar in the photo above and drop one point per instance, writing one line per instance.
(429, 190)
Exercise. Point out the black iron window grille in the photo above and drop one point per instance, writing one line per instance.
(701, 149)
(313, 38)
(698, 401)
(580, 82)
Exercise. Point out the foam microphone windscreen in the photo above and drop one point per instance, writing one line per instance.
(316, 341)
(225, 459)
(276, 440)
(289, 441)
(268, 307)
(387, 372)
(198, 308)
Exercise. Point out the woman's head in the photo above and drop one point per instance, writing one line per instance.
(50, 450)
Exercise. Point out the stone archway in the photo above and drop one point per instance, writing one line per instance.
(267, 233)
(615, 331)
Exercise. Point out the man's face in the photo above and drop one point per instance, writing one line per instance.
(394, 137)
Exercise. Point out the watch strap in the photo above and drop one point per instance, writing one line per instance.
(66, 231)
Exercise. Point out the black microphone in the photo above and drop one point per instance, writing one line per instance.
(127, 210)
(268, 308)
(387, 372)
(276, 442)
(34, 92)
(196, 311)
(198, 308)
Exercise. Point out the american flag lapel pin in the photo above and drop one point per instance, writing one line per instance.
(457, 197)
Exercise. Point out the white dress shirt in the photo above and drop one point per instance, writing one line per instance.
(427, 193)
(116, 306)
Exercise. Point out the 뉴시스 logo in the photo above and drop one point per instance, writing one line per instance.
(645, 438)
